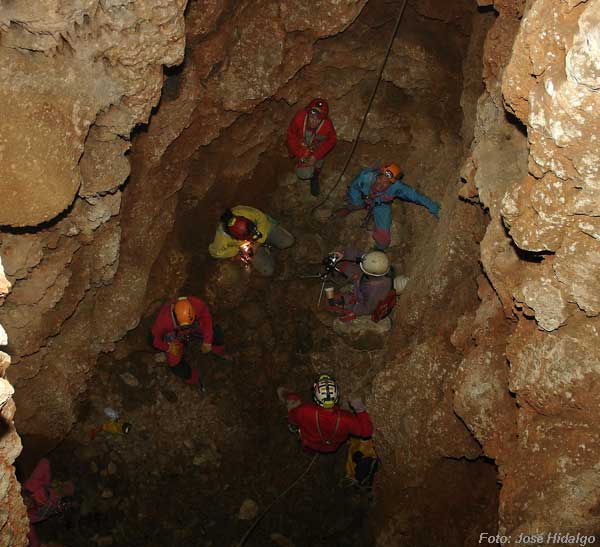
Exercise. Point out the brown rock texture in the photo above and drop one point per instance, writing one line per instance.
(75, 78)
(14, 523)
(541, 255)
(93, 238)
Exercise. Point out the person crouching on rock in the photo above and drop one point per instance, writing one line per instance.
(311, 136)
(371, 278)
(241, 233)
(181, 322)
(322, 425)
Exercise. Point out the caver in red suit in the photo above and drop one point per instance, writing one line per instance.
(324, 139)
(311, 136)
(43, 497)
(178, 323)
(325, 430)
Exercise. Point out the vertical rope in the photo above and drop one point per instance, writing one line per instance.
(369, 104)
(251, 529)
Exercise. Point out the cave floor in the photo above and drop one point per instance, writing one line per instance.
(191, 459)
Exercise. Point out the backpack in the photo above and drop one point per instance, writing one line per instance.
(362, 463)
(385, 307)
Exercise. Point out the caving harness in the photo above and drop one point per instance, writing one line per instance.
(308, 139)
(183, 334)
(328, 441)
(372, 200)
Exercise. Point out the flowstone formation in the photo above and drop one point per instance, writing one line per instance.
(528, 395)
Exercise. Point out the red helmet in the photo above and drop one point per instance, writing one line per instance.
(242, 228)
(319, 106)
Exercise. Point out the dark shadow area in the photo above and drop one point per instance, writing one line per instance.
(516, 122)
(173, 75)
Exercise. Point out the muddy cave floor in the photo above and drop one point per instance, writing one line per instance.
(191, 459)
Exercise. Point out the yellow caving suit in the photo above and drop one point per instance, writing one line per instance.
(224, 246)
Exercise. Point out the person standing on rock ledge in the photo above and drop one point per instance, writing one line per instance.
(179, 322)
(243, 231)
(375, 190)
(311, 136)
(322, 425)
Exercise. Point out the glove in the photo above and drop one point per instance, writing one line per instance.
(357, 405)
(206, 348)
(175, 348)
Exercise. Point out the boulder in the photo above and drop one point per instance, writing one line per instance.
(363, 333)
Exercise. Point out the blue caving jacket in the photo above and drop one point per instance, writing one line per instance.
(360, 195)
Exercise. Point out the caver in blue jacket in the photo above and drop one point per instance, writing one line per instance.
(361, 194)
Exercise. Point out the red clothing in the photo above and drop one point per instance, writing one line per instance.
(330, 438)
(165, 325)
(44, 498)
(324, 140)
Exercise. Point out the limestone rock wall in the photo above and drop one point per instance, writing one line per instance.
(84, 222)
(14, 523)
(528, 395)
(75, 78)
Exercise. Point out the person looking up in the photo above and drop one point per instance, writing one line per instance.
(375, 190)
(311, 136)
(322, 425)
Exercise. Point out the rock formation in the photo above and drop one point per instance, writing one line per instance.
(497, 362)
(535, 172)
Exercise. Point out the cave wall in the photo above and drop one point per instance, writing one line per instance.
(75, 78)
(516, 353)
(527, 389)
(13, 516)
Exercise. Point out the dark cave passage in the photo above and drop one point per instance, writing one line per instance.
(192, 459)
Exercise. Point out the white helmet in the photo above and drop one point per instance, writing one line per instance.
(375, 263)
(400, 282)
(325, 391)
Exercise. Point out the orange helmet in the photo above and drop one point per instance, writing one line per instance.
(319, 107)
(391, 171)
(184, 312)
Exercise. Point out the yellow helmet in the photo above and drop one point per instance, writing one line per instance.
(184, 312)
